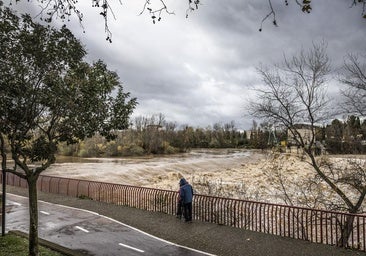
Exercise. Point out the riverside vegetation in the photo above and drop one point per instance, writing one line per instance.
(154, 135)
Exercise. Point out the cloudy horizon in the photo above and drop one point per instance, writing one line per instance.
(199, 71)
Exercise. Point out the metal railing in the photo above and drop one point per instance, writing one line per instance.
(313, 225)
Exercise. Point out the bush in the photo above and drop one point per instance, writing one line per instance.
(132, 150)
(111, 149)
(66, 150)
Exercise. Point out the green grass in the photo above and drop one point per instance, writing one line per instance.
(12, 245)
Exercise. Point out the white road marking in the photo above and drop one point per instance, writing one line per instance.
(132, 248)
(45, 213)
(123, 224)
(82, 229)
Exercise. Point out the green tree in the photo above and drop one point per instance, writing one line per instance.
(49, 95)
(334, 134)
(363, 129)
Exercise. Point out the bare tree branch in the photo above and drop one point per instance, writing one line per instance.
(155, 13)
(295, 93)
(354, 78)
(64, 9)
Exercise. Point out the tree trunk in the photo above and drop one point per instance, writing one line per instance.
(3, 196)
(346, 231)
(3, 202)
(33, 215)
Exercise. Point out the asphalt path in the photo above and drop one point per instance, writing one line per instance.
(89, 232)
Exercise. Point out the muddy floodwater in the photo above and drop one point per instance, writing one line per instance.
(234, 173)
(158, 171)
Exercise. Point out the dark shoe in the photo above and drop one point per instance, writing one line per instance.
(179, 216)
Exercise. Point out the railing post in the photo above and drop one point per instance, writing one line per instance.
(99, 191)
(58, 186)
(67, 190)
(77, 188)
(296, 222)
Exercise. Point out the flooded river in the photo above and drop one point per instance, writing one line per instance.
(157, 171)
(243, 174)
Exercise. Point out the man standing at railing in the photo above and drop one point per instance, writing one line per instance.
(186, 196)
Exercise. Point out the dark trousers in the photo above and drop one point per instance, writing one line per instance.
(179, 209)
(187, 211)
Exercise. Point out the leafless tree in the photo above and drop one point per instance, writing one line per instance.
(354, 79)
(295, 93)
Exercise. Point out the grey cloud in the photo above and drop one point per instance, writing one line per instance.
(199, 71)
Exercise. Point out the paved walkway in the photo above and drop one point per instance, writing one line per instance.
(208, 237)
(89, 233)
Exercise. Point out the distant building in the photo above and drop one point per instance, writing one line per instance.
(154, 127)
(248, 134)
(307, 133)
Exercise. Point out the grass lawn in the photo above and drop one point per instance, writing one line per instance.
(13, 245)
(17, 246)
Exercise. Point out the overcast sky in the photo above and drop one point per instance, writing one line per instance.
(198, 71)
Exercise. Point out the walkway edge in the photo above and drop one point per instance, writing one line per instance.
(48, 244)
(76, 253)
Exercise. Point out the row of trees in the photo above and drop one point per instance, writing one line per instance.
(154, 135)
(338, 137)
(348, 137)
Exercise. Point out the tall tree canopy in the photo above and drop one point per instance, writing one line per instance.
(48, 94)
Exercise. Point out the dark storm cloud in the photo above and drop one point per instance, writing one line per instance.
(198, 71)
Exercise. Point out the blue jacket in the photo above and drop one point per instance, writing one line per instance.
(185, 191)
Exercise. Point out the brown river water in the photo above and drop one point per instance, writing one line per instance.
(235, 173)
(157, 171)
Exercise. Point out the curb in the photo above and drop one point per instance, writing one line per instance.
(50, 245)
